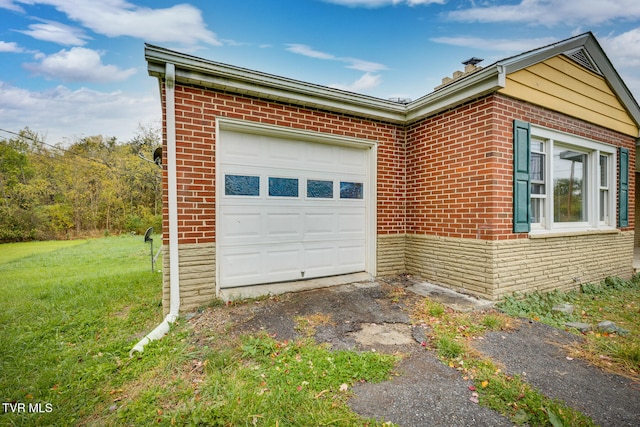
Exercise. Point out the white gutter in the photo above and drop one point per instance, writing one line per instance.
(174, 268)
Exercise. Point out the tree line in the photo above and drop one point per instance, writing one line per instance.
(95, 185)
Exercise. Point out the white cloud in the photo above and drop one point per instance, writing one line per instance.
(353, 63)
(552, 12)
(182, 23)
(63, 114)
(624, 52)
(502, 45)
(10, 47)
(78, 64)
(10, 5)
(623, 49)
(366, 82)
(383, 3)
(305, 50)
(360, 65)
(56, 32)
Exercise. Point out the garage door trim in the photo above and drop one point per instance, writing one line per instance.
(226, 124)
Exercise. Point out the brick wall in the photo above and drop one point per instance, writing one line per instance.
(460, 165)
(444, 184)
(458, 177)
(196, 112)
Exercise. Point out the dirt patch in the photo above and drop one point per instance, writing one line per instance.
(348, 307)
(373, 334)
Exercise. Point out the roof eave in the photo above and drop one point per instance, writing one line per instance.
(192, 70)
(478, 84)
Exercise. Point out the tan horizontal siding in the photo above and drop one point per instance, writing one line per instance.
(564, 86)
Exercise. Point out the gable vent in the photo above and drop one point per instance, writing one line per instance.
(582, 57)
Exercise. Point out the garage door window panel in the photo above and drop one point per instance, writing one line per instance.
(283, 187)
(319, 189)
(351, 190)
(241, 185)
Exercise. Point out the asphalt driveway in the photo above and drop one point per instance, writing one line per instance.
(365, 316)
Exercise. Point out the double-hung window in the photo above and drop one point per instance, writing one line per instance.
(571, 182)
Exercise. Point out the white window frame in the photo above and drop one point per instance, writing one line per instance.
(593, 149)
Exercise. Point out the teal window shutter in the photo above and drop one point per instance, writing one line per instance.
(521, 188)
(623, 187)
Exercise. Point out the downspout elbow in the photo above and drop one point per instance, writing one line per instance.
(160, 331)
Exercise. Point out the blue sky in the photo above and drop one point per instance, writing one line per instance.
(75, 68)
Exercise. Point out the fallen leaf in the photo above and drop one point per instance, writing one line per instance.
(484, 384)
(344, 387)
(321, 393)
(569, 358)
(472, 388)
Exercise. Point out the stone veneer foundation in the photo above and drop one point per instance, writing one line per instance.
(390, 254)
(197, 264)
(488, 269)
(492, 269)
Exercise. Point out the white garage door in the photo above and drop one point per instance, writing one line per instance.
(288, 209)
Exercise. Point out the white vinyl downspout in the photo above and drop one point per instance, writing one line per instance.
(174, 269)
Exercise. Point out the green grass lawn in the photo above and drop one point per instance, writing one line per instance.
(70, 312)
(13, 251)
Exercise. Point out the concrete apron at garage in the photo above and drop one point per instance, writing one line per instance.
(256, 291)
(447, 297)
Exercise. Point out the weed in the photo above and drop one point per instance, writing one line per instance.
(397, 293)
(492, 322)
(307, 324)
(448, 347)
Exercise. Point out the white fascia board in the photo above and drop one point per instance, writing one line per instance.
(190, 69)
(480, 83)
(527, 59)
(233, 79)
(613, 78)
